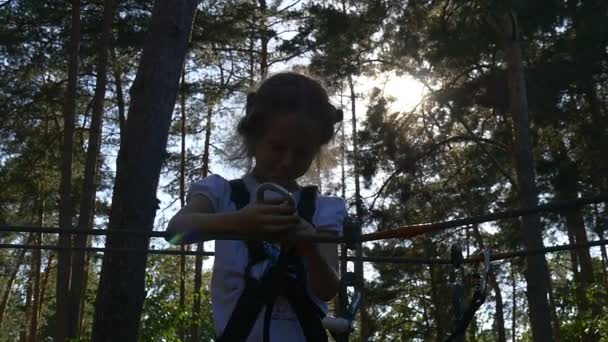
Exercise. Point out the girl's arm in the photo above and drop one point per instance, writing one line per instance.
(322, 266)
(323, 277)
(197, 217)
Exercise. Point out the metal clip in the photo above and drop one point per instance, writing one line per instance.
(262, 188)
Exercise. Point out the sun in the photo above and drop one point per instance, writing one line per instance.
(406, 91)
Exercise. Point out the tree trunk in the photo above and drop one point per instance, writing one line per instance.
(89, 187)
(28, 310)
(342, 151)
(8, 289)
(121, 294)
(263, 38)
(537, 270)
(200, 247)
(364, 318)
(581, 301)
(566, 188)
(36, 265)
(604, 261)
(553, 312)
(514, 305)
(65, 201)
(500, 317)
(120, 99)
(439, 295)
(45, 281)
(182, 200)
(83, 298)
(252, 59)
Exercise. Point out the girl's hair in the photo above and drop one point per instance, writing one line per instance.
(287, 93)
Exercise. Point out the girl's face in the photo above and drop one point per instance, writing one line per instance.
(287, 147)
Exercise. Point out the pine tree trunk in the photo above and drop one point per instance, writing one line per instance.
(200, 247)
(8, 289)
(537, 271)
(553, 312)
(604, 261)
(65, 202)
(263, 38)
(121, 294)
(565, 184)
(89, 187)
(45, 281)
(182, 200)
(28, 310)
(500, 317)
(342, 151)
(514, 305)
(581, 303)
(439, 295)
(84, 296)
(364, 317)
(120, 99)
(36, 265)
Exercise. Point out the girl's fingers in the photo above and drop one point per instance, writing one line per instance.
(276, 209)
(275, 229)
(275, 220)
(276, 200)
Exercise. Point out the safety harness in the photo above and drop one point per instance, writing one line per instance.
(286, 278)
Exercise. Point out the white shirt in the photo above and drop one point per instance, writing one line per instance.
(231, 258)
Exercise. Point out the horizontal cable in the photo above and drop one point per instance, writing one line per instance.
(104, 249)
(393, 260)
(411, 231)
(160, 234)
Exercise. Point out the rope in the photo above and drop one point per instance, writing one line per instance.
(411, 231)
(391, 260)
(158, 234)
(104, 250)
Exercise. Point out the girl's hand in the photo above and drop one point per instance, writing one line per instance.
(304, 248)
(270, 217)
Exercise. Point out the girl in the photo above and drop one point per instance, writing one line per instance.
(262, 291)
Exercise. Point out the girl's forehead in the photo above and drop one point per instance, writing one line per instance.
(293, 127)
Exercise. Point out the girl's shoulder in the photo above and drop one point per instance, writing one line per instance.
(215, 187)
(330, 213)
(333, 202)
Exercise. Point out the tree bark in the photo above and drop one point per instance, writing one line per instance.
(65, 190)
(263, 38)
(500, 317)
(121, 294)
(537, 272)
(83, 298)
(89, 187)
(200, 247)
(120, 99)
(45, 281)
(36, 265)
(342, 151)
(553, 312)
(28, 310)
(182, 200)
(364, 318)
(8, 289)
(514, 304)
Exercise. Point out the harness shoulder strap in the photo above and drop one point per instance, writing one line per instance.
(308, 203)
(239, 195)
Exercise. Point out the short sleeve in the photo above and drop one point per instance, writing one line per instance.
(215, 188)
(330, 214)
